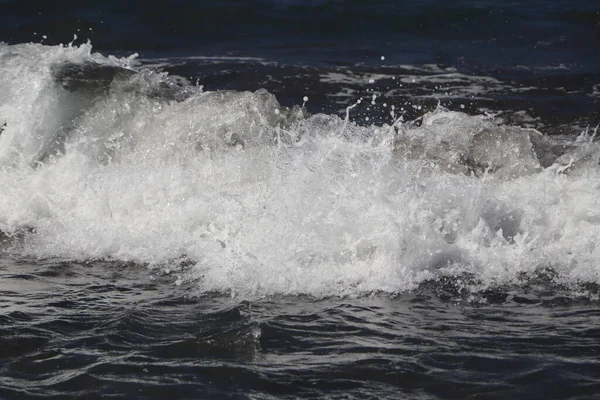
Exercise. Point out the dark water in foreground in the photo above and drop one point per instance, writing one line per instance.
(109, 330)
(409, 210)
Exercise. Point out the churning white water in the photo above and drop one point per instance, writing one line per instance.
(240, 195)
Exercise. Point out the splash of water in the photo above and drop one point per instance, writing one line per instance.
(241, 195)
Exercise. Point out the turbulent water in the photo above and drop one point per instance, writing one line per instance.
(284, 223)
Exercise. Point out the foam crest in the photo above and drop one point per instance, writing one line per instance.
(33, 108)
(240, 195)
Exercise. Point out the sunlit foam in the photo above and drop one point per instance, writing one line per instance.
(237, 194)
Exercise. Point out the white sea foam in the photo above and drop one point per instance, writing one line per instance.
(350, 77)
(259, 200)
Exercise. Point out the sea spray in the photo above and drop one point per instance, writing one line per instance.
(241, 195)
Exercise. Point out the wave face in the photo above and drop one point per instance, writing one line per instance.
(241, 195)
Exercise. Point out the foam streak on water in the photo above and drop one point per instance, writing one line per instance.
(240, 195)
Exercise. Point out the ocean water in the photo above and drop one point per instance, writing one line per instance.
(284, 199)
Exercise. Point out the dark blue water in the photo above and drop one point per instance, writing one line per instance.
(549, 48)
(112, 284)
(529, 33)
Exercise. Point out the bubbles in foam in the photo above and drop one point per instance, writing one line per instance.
(241, 195)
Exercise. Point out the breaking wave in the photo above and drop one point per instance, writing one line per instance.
(232, 191)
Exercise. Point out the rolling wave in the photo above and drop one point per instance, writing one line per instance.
(233, 191)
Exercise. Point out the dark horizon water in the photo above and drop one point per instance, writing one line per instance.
(528, 33)
(322, 199)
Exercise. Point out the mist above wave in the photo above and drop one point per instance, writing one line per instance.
(241, 195)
